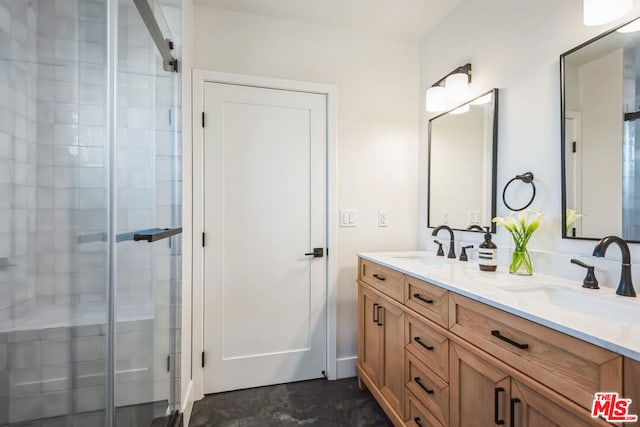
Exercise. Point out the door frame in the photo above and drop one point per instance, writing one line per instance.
(200, 77)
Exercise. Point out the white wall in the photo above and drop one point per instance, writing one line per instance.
(515, 46)
(378, 105)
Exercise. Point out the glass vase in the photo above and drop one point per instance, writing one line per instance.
(521, 262)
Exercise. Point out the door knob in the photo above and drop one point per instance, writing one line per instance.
(317, 253)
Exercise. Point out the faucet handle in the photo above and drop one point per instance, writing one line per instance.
(440, 250)
(590, 280)
(463, 253)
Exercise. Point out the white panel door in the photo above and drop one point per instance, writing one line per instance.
(264, 208)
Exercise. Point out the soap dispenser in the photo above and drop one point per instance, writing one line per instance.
(488, 253)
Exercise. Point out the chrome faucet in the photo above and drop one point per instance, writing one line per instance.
(625, 288)
(452, 252)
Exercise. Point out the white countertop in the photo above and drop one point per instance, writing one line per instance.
(597, 316)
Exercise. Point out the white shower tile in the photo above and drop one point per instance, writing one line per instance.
(66, 114)
(25, 408)
(92, 94)
(65, 92)
(91, 136)
(24, 355)
(91, 115)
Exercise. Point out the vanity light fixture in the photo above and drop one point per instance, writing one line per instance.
(598, 12)
(449, 90)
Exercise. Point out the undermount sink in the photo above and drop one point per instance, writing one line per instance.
(590, 302)
(426, 259)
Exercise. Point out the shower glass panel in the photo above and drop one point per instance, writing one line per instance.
(148, 202)
(55, 170)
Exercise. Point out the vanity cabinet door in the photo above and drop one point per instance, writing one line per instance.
(369, 333)
(528, 408)
(392, 357)
(479, 391)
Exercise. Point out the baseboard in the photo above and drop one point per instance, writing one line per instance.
(346, 367)
(187, 404)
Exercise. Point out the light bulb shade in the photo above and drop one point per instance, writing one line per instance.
(598, 12)
(461, 110)
(456, 86)
(436, 100)
(631, 27)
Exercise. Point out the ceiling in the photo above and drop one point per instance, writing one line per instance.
(407, 19)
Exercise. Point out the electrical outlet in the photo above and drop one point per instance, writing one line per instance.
(382, 219)
(445, 217)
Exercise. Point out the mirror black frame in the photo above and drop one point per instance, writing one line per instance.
(563, 142)
(494, 161)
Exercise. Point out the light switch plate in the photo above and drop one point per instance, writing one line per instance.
(382, 219)
(348, 218)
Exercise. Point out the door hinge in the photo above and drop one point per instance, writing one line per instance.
(203, 119)
(203, 359)
(574, 146)
(203, 239)
(169, 363)
(327, 251)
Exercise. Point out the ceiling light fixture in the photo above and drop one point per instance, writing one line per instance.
(598, 12)
(450, 90)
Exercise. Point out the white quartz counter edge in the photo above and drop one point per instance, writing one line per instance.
(465, 278)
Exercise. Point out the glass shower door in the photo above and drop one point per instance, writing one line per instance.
(148, 202)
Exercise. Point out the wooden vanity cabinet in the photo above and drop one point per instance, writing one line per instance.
(381, 348)
(436, 358)
(483, 394)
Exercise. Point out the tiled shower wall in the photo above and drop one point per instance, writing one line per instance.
(18, 154)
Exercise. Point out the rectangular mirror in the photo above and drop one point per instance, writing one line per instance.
(463, 146)
(600, 110)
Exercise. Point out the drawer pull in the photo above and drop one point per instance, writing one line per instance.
(417, 421)
(379, 319)
(510, 341)
(423, 299)
(513, 411)
(419, 341)
(379, 277)
(496, 409)
(422, 386)
(375, 313)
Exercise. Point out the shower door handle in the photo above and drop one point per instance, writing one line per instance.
(155, 234)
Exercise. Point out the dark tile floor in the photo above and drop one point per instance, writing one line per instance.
(310, 403)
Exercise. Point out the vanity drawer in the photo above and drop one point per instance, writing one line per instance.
(430, 346)
(429, 300)
(386, 280)
(417, 415)
(572, 367)
(430, 390)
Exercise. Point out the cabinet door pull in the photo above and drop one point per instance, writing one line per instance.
(417, 421)
(510, 341)
(379, 320)
(422, 386)
(375, 313)
(496, 406)
(419, 341)
(513, 411)
(421, 298)
(379, 277)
